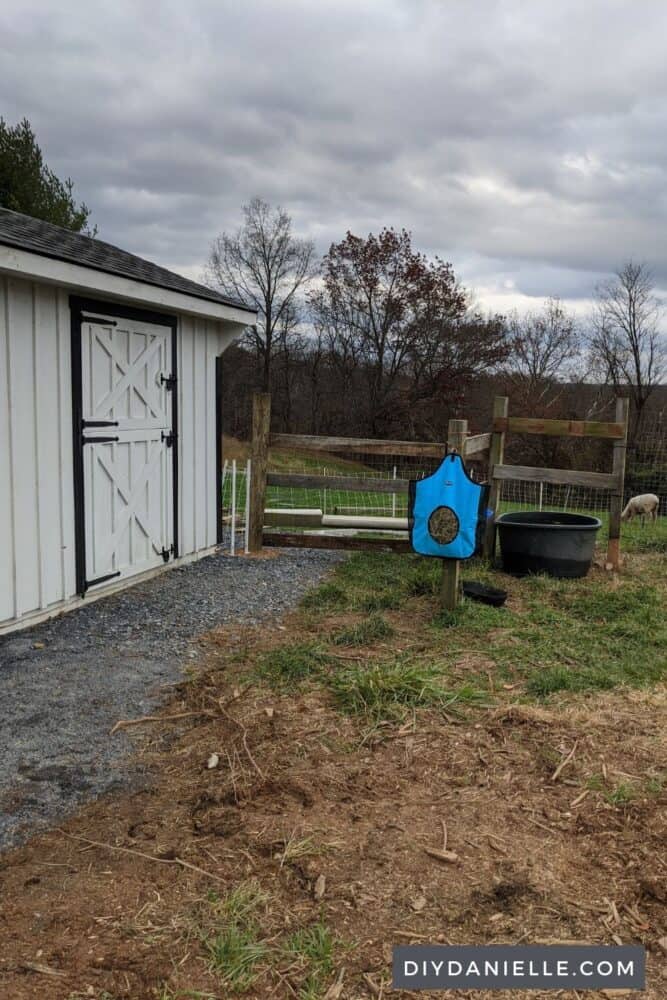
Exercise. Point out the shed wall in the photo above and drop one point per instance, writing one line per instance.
(36, 496)
(37, 556)
(200, 342)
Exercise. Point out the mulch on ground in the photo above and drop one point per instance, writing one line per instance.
(344, 825)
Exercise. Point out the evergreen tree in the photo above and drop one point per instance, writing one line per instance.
(28, 185)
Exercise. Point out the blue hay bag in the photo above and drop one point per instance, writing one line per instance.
(447, 511)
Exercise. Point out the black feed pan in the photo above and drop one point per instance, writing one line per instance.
(487, 595)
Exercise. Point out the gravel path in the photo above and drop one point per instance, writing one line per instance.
(64, 683)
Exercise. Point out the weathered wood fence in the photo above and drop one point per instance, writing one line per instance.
(458, 439)
(616, 431)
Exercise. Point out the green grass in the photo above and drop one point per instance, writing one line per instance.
(556, 635)
(579, 636)
(625, 792)
(388, 690)
(289, 665)
(365, 633)
(234, 946)
(382, 600)
(314, 947)
(327, 597)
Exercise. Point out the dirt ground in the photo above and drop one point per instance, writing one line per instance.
(333, 820)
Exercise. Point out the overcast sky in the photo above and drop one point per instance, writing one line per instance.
(524, 141)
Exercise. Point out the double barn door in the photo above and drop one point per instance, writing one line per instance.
(126, 461)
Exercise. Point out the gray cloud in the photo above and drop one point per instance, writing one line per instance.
(524, 142)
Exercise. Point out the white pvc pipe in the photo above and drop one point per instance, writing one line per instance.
(393, 498)
(361, 521)
(232, 547)
(247, 506)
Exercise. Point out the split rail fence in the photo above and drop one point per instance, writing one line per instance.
(458, 439)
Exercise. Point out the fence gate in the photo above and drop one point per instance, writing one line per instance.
(126, 448)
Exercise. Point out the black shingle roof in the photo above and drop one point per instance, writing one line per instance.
(47, 240)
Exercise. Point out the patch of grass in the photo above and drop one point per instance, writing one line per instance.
(234, 948)
(387, 690)
(328, 596)
(552, 679)
(384, 600)
(289, 665)
(365, 633)
(233, 954)
(314, 948)
(422, 580)
(376, 570)
(655, 784)
(445, 619)
(625, 792)
(591, 637)
(595, 783)
(621, 795)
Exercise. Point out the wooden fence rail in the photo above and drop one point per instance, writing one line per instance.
(559, 428)
(565, 477)
(360, 446)
(303, 540)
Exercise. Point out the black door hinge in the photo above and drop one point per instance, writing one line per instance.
(169, 438)
(166, 553)
(169, 381)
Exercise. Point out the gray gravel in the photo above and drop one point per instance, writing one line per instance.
(63, 684)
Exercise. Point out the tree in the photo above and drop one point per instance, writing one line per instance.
(264, 264)
(544, 351)
(545, 358)
(400, 319)
(627, 346)
(28, 185)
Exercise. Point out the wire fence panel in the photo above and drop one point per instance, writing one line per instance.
(646, 472)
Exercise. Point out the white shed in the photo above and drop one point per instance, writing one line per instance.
(110, 384)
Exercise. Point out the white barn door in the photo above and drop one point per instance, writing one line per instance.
(127, 442)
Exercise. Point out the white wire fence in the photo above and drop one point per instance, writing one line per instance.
(646, 471)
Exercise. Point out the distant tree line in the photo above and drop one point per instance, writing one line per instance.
(379, 340)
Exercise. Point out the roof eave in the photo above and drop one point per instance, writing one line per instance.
(36, 267)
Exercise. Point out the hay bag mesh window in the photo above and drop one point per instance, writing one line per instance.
(443, 525)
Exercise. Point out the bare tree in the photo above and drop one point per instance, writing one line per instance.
(544, 346)
(627, 346)
(545, 356)
(267, 266)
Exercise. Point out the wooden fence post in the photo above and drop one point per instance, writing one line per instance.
(618, 470)
(450, 588)
(259, 455)
(496, 455)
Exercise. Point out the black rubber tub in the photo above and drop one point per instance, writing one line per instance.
(545, 541)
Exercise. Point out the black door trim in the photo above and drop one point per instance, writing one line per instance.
(79, 306)
(218, 450)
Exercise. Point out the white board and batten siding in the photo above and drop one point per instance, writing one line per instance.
(37, 520)
(199, 343)
(36, 495)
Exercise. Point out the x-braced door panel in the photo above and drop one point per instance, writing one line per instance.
(127, 441)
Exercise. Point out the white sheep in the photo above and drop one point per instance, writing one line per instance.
(645, 504)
